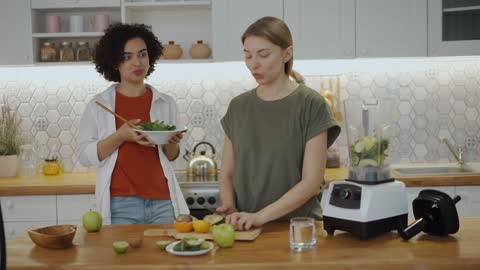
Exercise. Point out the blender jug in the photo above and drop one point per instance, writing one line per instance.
(369, 132)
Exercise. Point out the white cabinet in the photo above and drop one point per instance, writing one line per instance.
(453, 27)
(184, 22)
(23, 212)
(70, 208)
(321, 29)
(49, 4)
(412, 193)
(14, 229)
(230, 19)
(16, 32)
(29, 208)
(62, 11)
(469, 205)
(391, 28)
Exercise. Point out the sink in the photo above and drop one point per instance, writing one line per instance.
(448, 169)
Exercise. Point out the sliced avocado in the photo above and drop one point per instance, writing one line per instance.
(178, 247)
(194, 244)
(181, 246)
(205, 245)
(214, 219)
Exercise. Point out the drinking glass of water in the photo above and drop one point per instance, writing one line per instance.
(302, 233)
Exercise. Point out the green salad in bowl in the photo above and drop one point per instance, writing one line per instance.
(369, 151)
(159, 132)
(156, 126)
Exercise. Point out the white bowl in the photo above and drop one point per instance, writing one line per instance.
(160, 137)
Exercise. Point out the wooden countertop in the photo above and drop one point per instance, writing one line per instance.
(84, 183)
(416, 181)
(67, 183)
(269, 251)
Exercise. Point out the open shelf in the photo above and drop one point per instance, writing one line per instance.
(459, 9)
(67, 35)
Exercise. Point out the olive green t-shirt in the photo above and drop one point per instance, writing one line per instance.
(269, 139)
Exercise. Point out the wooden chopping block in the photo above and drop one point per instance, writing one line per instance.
(239, 235)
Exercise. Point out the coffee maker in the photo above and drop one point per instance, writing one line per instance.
(369, 202)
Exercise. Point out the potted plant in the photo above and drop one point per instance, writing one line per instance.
(10, 141)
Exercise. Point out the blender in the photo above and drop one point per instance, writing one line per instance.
(370, 202)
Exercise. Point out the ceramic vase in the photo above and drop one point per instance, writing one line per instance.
(8, 166)
(172, 51)
(200, 50)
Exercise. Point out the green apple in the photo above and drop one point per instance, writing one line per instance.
(92, 221)
(224, 235)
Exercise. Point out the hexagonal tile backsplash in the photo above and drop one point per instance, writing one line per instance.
(439, 100)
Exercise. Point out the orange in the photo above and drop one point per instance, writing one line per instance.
(201, 226)
(183, 226)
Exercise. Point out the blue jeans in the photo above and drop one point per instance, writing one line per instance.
(137, 210)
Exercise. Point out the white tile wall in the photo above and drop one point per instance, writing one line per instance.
(436, 98)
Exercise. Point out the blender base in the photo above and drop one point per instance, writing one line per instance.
(365, 230)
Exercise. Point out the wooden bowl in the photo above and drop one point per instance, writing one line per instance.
(57, 237)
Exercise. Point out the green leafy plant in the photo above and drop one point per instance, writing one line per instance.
(10, 133)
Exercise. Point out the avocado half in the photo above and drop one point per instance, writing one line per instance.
(214, 219)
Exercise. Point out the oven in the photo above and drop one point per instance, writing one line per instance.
(202, 195)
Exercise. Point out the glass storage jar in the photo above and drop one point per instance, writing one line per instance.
(83, 51)
(48, 53)
(66, 52)
(27, 161)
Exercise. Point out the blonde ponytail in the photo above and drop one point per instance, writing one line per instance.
(297, 77)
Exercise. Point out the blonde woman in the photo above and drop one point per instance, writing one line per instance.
(277, 136)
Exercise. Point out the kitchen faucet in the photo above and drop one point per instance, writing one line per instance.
(457, 153)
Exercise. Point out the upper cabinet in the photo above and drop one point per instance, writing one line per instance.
(453, 27)
(391, 28)
(231, 18)
(321, 29)
(17, 32)
(179, 22)
(67, 30)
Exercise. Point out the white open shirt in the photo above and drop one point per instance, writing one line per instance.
(97, 124)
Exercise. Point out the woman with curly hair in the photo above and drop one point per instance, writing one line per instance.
(135, 180)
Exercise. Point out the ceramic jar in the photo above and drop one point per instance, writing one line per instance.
(52, 24)
(101, 22)
(200, 50)
(52, 167)
(76, 23)
(172, 51)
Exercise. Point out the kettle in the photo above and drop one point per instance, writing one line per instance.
(201, 164)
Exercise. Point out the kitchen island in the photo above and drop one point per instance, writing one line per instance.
(269, 251)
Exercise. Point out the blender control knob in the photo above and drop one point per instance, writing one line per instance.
(345, 194)
(201, 200)
(212, 200)
(190, 200)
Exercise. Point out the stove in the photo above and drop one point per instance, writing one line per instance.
(201, 193)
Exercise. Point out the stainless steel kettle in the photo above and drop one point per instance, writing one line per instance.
(201, 164)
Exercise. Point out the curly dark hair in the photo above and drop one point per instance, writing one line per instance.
(108, 52)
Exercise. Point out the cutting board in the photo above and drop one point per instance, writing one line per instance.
(239, 235)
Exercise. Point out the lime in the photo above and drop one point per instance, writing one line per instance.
(120, 246)
(162, 244)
